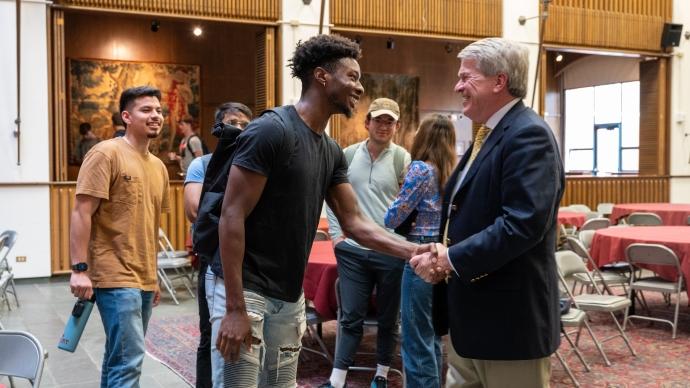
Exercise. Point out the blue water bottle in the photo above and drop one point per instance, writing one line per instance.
(76, 323)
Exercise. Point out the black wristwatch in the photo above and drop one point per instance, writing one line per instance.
(80, 267)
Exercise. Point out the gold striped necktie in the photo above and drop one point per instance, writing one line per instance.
(479, 139)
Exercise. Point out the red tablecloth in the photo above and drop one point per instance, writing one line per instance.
(670, 213)
(608, 245)
(571, 218)
(319, 279)
(323, 224)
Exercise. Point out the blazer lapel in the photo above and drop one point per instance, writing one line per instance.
(494, 138)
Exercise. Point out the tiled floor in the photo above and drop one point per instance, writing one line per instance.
(45, 307)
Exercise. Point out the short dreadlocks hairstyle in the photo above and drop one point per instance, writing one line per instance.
(321, 51)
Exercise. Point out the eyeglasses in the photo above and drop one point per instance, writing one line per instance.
(239, 123)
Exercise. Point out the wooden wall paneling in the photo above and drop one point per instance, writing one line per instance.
(631, 25)
(653, 100)
(236, 10)
(453, 18)
(265, 79)
(58, 118)
(594, 190)
(62, 195)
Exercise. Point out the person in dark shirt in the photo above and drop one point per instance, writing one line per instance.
(284, 167)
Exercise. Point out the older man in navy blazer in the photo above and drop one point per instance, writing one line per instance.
(500, 205)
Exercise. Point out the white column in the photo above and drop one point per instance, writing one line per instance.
(25, 209)
(299, 22)
(679, 143)
(527, 34)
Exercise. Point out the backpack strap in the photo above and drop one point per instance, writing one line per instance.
(350, 152)
(286, 119)
(399, 160)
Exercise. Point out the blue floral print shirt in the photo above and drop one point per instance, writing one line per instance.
(420, 191)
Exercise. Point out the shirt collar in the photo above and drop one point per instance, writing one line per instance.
(495, 118)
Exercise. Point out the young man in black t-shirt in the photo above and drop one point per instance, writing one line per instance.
(282, 171)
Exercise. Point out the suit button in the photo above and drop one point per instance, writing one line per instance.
(454, 208)
(447, 242)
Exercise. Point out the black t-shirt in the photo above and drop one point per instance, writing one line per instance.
(280, 230)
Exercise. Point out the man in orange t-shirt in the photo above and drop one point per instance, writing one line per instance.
(121, 190)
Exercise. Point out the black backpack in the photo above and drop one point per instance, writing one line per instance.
(205, 236)
(204, 148)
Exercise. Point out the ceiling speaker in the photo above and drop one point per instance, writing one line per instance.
(670, 37)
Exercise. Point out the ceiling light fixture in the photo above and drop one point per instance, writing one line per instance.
(559, 57)
(197, 31)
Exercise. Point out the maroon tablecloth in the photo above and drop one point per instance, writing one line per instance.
(608, 245)
(670, 213)
(323, 225)
(319, 279)
(571, 218)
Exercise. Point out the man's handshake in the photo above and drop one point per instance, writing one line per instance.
(432, 265)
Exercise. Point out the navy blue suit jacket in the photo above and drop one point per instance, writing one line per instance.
(503, 302)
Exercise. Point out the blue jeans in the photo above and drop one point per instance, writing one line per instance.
(421, 348)
(277, 328)
(125, 313)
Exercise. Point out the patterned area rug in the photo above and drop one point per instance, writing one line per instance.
(660, 361)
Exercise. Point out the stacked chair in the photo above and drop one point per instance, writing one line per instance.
(176, 261)
(569, 264)
(7, 241)
(605, 279)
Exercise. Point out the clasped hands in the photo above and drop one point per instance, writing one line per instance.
(431, 262)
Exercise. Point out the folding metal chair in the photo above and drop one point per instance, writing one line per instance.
(7, 240)
(605, 208)
(644, 219)
(573, 319)
(314, 332)
(579, 207)
(604, 278)
(175, 260)
(569, 264)
(596, 223)
(21, 355)
(657, 255)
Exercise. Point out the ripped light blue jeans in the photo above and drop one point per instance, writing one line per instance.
(277, 327)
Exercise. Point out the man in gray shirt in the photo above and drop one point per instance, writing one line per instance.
(376, 168)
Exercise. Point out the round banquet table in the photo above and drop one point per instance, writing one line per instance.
(319, 279)
(323, 224)
(576, 219)
(608, 246)
(670, 213)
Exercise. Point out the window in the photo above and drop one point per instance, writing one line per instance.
(602, 128)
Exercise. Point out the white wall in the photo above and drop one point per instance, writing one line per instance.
(680, 108)
(527, 34)
(25, 209)
(299, 22)
(597, 70)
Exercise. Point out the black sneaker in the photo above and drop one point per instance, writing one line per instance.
(379, 382)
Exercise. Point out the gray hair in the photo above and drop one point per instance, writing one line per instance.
(501, 56)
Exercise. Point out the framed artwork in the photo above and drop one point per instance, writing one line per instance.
(404, 89)
(95, 86)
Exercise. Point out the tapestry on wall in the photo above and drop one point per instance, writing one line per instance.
(95, 86)
(404, 89)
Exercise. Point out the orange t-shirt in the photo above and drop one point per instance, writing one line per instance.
(124, 229)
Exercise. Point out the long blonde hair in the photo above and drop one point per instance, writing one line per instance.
(435, 143)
